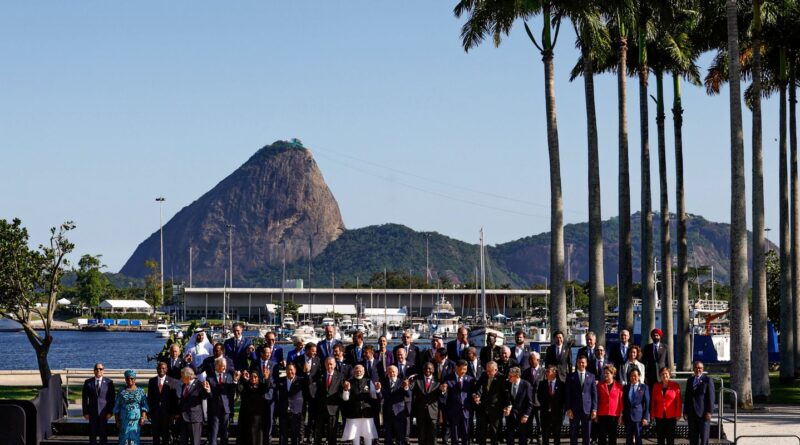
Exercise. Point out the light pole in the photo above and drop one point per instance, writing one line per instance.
(230, 265)
(160, 201)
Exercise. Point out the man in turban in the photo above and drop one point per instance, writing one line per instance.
(656, 355)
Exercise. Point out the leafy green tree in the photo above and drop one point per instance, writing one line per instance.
(30, 281)
(773, 266)
(153, 285)
(90, 282)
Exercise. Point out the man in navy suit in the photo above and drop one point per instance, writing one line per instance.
(395, 393)
(221, 391)
(590, 349)
(292, 394)
(618, 352)
(269, 342)
(354, 352)
(698, 405)
(442, 365)
(412, 351)
(518, 411)
(325, 346)
(581, 402)
(636, 408)
(162, 403)
(426, 394)
(190, 407)
(236, 348)
(373, 372)
(267, 369)
(457, 349)
(309, 366)
(533, 375)
(490, 399)
(474, 366)
(521, 352)
(208, 363)
(550, 395)
(97, 401)
(341, 365)
(458, 389)
(559, 355)
(405, 368)
(175, 362)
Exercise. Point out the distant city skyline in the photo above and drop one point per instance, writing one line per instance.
(107, 106)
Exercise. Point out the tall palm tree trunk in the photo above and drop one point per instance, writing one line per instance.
(684, 335)
(795, 208)
(597, 299)
(666, 251)
(648, 294)
(624, 291)
(761, 389)
(787, 309)
(558, 308)
(740, 316)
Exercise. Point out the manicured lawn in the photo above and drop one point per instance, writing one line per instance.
(779, 393)
(29, 392)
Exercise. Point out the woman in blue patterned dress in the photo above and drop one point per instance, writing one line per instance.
(130, 410)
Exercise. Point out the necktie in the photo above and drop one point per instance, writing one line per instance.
(288, 385)
(329, 380)
(160, 384)
(558, 351)
(488, 385)
(696, 382)
(185, 391)
(427, 384)
(220, 379)
(514, 391)
(633, 393)
(599, 367)
(581, 377)
(655, 350)
(263, 368)
(624, 352)
(552, 386)
(459, 383)
(98, 384)
(471, 369)
(358, 354)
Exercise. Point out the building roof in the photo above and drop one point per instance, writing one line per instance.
(389, 311)
(344, 309)
(124, 304)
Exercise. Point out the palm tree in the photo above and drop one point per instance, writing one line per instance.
(740, 317)
(496, 19)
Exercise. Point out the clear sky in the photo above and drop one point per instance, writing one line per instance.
(106, 105)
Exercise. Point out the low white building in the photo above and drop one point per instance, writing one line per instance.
(379, 316)
(125, 306)
(322, 309)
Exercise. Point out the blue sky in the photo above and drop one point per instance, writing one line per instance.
(106, 105)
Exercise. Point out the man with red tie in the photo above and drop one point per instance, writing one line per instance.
(329, 398)
(425, 394)
(162, 403)
(190, 407)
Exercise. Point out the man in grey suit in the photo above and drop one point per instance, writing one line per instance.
(190, 407)
(698, 405)
(97, 402)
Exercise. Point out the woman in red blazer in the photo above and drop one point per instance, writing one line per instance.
(609, 406)
(665, 407)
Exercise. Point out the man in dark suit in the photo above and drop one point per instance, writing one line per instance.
(490, 399)
(598, 362)
(533, 375)
(325, 346)
(328, 401)
(558, 354)
(474, 366)
(299, 349)
(236, 348)
(412, 351)
(457, 349)
(405, 368)
(97, 402)
(698, 405)
(425, 395)
(618, 352)
(292, 393)
(270, 341)
(581, 395)
(267, 369)
(636, 407)
(656, 356)
(341, 365)
(162, 401)
(506, 361)
(490, 352)
(221, 391)
(442, 365)
(208, 363)
(308, 366)
(190, 407)
(430, 354)
(371, 369)
(354, 352)
(458, 389)
(175, 362)
(395, 392)
(520, 352)
(590, 349)
(518, 410)
(550, 394)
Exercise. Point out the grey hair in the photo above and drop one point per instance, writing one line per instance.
(591, 334)
(187, 372)
(515, 371)
(507, 349)
(535, 354)
(220, 361)
(491, 363)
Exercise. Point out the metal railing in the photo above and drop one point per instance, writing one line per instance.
(769, 436)
(721, 411)
(76, 376)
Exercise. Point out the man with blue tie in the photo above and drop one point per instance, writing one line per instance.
(395, 392)
(325, 346)
(221, 389)
(354, 352)
(292, 394)
(458, 389)
(581, 402)
(636, 408)
(698, 405)
(518, 411)
(97, 401)
(236, 348)
(558, 354)
(618, 352)
(457, 349)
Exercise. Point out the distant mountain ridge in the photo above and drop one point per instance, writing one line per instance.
(279, 203)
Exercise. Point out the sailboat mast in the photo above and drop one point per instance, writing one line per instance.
(483, 283)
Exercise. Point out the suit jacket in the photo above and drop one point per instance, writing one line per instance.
(372, 371)
(220, 398)
(273, 370)
(293, 354)
(174, 366)
(615, 355)
(324, 349)
(312, 376)
(208, 367)
(595, 366)
(609, 403)
(329, 398)
(190, 405)
(584, 350)
(523, 359)
(452, 350)
(427, 356)
(653, 361)
(551, 404)
(237, 352)
(504, 367)
(444, 370)
(395, 399)
(291, 398)
(458, 399)
(563, 362)
(404, 372)
(425, 402)
(161, 403)
(493, 398)
(98, 403)
(413, 355)
(699, 400)
(522, 404)
(533, 377)
(669, 402)
(637, 407)
(476, 371)
(344, 369)
(489, 354)
(351, 356)
(581, 398)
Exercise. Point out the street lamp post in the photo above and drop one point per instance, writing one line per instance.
(160, 201)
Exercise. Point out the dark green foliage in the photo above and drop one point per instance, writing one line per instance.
(91, 284)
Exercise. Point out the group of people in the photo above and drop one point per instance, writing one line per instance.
(327, 391)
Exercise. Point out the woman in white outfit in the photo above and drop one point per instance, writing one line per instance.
(359, 395)
(634, 354)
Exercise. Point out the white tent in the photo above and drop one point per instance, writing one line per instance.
(126, 306)
(64, 302)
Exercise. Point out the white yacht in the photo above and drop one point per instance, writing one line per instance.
(288, 322)
(443, 320)
(162, 331)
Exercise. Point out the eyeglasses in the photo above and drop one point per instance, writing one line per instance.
(98, 369)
